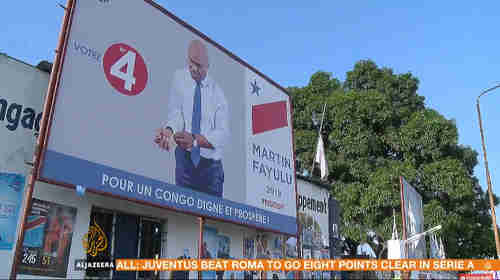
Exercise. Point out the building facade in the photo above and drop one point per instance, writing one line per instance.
(22, 93)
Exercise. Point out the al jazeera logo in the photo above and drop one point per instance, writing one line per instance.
(94, 243)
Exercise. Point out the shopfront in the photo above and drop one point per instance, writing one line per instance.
(101, 228)
(22, 91)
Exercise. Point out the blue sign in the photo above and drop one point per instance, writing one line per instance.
(139, 188)
(11, 194)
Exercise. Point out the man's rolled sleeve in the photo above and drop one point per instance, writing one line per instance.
(220, 133)
(174, 120)
(174, 107)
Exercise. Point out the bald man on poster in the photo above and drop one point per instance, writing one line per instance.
(197, 121)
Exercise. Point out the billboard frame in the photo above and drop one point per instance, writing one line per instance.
(48, 115)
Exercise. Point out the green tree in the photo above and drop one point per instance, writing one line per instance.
(378, 128)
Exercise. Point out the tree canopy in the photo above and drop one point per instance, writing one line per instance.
(377, 128)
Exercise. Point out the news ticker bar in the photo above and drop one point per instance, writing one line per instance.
(292, 265)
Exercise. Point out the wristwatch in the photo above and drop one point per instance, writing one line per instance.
(195, 142)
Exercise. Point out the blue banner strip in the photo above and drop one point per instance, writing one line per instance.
(71, 170)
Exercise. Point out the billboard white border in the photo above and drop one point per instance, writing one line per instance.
(52, 96)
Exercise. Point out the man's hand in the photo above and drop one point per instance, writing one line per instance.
(162, 138)
(184, 139)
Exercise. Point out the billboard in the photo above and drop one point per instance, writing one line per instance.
(153, 111)
(414, 218)
(313, 216)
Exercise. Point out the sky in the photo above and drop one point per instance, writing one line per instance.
(450, 46)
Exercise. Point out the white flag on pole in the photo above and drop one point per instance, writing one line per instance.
(321, 158)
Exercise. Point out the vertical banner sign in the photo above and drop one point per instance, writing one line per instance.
(153, 111)
(313, 216)
(47, 239)
(414, 221)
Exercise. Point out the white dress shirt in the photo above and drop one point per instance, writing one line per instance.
(214, 111)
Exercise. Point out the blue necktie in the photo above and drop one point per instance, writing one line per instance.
(195, 124)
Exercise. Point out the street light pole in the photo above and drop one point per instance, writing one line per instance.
(488, 179)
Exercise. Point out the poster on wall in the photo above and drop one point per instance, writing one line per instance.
(262, 247)
(47, 239)
(11, 194)
(215, 246)
(209, 135)
(248, 247)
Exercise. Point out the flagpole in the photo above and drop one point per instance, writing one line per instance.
(322, 119)
(319, 133)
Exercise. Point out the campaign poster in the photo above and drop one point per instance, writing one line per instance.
(262, 246)
(313, 215)
(162, 115)
(248, 247)
(11, 194)
(215, 246)
(47, 239)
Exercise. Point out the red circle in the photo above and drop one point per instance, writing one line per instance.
(112, 55)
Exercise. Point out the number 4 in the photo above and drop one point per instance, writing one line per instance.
(127, 76)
